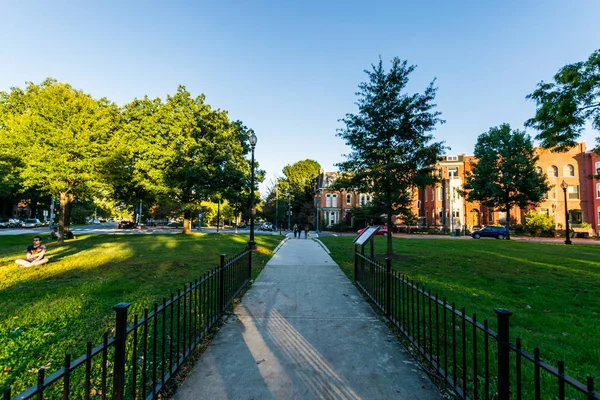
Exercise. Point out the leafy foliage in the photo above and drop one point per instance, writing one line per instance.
(504, 174)
(67, 134)
(565, 105)
(537, 223)
(391, 145)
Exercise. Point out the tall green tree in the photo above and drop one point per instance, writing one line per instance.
(504, 174)
(60, 135)
(204, 154)
(133, 169)
(565, 105)
(392, 148)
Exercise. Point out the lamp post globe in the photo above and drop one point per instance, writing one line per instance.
(251, 242)
(564, 186)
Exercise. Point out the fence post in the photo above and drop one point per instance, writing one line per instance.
(355, 262)
(7, 393)
(120, 344)
(503, 353)
(388, 286)
(222, 283)
(249, 265)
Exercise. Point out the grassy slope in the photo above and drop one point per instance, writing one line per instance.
(553, 289)
(48, 310)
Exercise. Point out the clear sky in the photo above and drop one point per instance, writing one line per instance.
(290, 69)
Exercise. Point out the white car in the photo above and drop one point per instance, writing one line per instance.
(32, 223)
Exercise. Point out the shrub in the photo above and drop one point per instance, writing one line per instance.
(538, 223)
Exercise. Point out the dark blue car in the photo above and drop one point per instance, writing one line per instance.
(498, 232)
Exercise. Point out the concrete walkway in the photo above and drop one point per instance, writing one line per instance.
(303, 331)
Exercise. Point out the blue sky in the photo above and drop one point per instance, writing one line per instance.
(290, 69)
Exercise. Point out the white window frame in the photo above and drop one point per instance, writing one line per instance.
(452, 172)
(554, 172)
(597, 167)
(568, 170)
(440, 193)
(598, 215)
(451, 158)
(328, 200)
(598, 190)
(573, 191)
(348, 198)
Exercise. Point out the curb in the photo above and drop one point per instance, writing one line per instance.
(283, 241)
(322, 245)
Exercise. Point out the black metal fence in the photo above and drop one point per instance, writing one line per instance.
(475, 361)
(137, 361)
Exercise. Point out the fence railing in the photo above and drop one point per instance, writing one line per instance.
(139, 359)
(475, 361)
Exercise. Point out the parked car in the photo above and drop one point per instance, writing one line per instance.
(126, 224)
(16, 222)
(6, 223)
(498, 232)
(383, 230)
(32, 223)
(266, 226)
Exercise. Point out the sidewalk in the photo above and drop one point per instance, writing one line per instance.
(303, 331)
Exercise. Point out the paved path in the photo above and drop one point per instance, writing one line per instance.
(303, 331)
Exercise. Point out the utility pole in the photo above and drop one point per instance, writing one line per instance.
(140, 213)
(277, 207)
(289, 214)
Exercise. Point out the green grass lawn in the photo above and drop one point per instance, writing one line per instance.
(553, 289)
(48, 310)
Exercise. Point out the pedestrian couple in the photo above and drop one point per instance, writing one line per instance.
(298, 231)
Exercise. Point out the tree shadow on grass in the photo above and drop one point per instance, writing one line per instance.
(49, 310)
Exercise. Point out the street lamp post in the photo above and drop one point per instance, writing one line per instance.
(564, 187)
(277, 208)
(251, 243)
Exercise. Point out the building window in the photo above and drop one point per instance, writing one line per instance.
(491, 217)
(575, 216)
(368, 199)
(419, 204)
(328, 201)
(538, 170)
(426, 190)
(573, 192)
(598, 215)
(545, 211)
(598, 190)
(451, 158)
(348, 198)
(552, 171)
(552, 193)
(334, 200)
(597, 168)
(439, 190)
(452, 172)
(568, 170)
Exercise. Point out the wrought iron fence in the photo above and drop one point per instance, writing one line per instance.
(475, 361)
(139, 359)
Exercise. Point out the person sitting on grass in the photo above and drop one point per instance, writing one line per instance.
(35, 254)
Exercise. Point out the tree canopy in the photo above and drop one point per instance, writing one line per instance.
(392, 148)
(58, 138)
(170, 154)
(567, 104)
(504, 174)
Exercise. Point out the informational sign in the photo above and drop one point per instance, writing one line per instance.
(366, 235)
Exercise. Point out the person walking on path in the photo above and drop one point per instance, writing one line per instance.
(303, 331)
(36, 254)
(295, 230)
(305, 232)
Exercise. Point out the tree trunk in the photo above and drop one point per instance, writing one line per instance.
(187, 216)
(390, 249)
(61, 220)
(507, 222)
